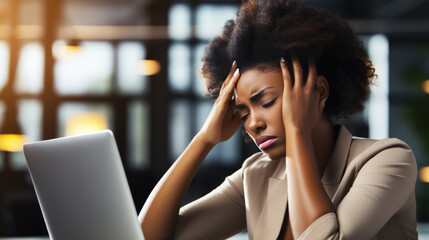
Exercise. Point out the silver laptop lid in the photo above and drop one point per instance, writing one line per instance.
(82, 188)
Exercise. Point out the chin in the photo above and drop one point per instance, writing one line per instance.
(275, 155)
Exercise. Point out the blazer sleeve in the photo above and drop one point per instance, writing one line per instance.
(217, 215)
(382, 186)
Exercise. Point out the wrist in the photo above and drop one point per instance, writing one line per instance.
(202, 138)
(293, 130)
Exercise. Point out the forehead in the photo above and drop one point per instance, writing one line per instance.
(253, 80)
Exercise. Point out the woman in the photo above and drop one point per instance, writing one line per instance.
(297, 70)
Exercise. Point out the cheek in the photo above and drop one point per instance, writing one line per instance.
(276, 112)
(277, 119)
(248, 132)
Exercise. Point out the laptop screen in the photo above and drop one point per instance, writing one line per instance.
(82, 188)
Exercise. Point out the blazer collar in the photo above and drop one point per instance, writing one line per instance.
(272, 215)
(337, 162)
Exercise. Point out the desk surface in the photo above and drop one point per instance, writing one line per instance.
(25, 238)
(423, 230)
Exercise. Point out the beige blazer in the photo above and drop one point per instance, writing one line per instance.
(371, 185)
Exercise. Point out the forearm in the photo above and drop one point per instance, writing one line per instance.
(307, 199)
(159, 214)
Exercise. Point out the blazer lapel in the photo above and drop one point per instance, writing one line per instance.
(272, 215)
(335, 169)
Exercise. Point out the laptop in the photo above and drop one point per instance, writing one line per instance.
(82, 188)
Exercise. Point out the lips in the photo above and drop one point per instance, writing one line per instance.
(265, 141)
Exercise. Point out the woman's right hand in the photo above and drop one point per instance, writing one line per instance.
(222, 122)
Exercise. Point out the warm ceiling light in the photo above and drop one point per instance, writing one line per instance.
(63, 50)
(11, 137)
(424, 174)
(85, 123)
(72, 48)
(149, 67)
(425, 86)
(12, 142)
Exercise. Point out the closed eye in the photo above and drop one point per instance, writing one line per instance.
(270, 103)
(244, 118)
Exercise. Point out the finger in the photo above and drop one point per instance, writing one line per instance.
(229, 89)
(231, 73)
(287, 79)
(297, 72)
(233, 83)
(312, 74)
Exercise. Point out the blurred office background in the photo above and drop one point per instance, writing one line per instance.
(73, 66)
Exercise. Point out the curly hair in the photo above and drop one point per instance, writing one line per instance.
(267, 30)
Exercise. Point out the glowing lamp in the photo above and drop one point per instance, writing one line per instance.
(11, 137)
(85, 123)
(425, 86)
(12, 142)
(63, 50)
(148, 67)
(424, 174)
(72, 49)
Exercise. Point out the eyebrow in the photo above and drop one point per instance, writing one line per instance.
(259, 94)
(255, 97)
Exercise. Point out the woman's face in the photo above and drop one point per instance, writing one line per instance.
(258, 100)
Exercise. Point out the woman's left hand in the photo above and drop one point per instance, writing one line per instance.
(301, 105)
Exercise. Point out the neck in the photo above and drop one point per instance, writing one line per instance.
(324, 137)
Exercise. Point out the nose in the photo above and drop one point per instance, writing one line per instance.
(256, 123)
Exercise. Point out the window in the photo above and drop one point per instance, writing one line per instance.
(129, 79)
(29, 78)
(30, 119)
(190, 104)
(4, 63)
(87, 69)
(138, 135)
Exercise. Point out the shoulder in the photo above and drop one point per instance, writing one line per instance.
(256, 158)
(249, 163)
(259, 167)
(364, 147)
(260, 161)
(365, 143)
(254, 161)
(254, 167)
(385, 153)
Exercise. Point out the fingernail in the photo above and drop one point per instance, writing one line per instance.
(233, 63)
(236, 72)
(282, 59)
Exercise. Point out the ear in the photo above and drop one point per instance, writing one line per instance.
(322, 86)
